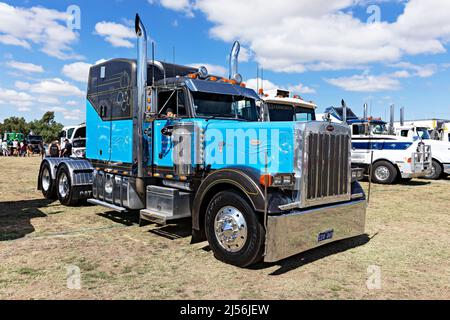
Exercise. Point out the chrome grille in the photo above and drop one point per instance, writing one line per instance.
(328, 163)
(323, 168)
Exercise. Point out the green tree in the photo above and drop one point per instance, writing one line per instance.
(46, 127)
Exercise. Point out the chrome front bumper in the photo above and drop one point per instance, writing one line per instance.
(292, 233)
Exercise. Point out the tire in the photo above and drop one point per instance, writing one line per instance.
(436, 171)
(384, 172)
(64, 189)
(247, 248)
(46, 182)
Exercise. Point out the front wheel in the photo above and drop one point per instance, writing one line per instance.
(64, 189)
(235, 234)
(436, 171)
(384, 172)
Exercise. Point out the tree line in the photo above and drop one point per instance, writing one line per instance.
(47, 127)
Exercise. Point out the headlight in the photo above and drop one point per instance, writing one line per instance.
(357, 174)
(109, 186)
(278, 180)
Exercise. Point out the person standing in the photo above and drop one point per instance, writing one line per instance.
(54, 149)
(67, 151)
(5, 150)
(15, 147)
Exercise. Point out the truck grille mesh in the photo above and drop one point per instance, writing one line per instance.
(327, 166)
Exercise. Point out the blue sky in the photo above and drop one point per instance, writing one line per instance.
(380, 52)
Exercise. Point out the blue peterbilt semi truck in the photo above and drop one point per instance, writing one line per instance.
(173, 142)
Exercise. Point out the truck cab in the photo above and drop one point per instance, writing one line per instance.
(390, 158)
(278, 105)
(174, 142)
(440, 149)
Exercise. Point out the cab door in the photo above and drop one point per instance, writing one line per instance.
(172, 108)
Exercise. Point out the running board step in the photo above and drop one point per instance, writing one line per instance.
(160, 217)
(106, 205)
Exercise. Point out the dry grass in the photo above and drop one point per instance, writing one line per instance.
(407, 228)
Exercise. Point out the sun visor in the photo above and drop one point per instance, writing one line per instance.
(196, 85)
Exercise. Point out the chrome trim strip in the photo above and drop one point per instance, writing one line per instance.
(106, 205)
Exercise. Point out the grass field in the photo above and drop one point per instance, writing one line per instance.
(408, 239)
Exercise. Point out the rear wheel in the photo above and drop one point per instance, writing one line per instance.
(436, 171)
(234, 233)
(47, 184)
(64, 189)
(384, 172)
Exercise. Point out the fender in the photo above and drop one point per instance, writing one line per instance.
(81, 170)
(244, 179)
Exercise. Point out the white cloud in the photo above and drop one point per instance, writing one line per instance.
(185, 6)
(301, 35)
(26, 67)
(78, 71)
(20, 99)
(72, 114)
(366, 83)
(118, 35)
(423, 71)
(213, 69)
(268, 85)
(43, 27)
(71, 103)
(51, 87)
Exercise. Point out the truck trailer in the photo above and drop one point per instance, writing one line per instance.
(174, 142)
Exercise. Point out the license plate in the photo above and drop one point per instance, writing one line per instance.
(327, 235)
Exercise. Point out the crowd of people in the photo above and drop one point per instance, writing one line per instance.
(22, 149)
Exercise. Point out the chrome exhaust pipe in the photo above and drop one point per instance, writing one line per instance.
(141, 77)
(402, 116)
(365, 113)
(344, 112)
(391, 120)
(234, 56)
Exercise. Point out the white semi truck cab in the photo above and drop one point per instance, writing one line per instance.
(440, 149)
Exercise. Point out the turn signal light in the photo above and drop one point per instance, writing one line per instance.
(212, 79)
(266, 180)
(192, 76)
(409, 160)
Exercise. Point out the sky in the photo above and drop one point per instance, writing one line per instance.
(378, 52)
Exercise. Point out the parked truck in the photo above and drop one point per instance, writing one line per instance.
(174, 142)
(385, 157)
(440, 148)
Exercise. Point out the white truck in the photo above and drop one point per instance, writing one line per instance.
(393, 158)
(439, 129)
(441, 149)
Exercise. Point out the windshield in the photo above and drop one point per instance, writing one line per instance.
(34, 138)
(423, 133)
(228, 106)
(283, 112)
(379, 128)
(79, 143)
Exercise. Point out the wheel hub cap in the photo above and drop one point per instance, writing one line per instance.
(230, 229)
(63, 185)
(45, 179)
(382, 173)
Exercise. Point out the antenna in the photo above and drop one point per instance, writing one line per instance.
(257, 78)
(262, 78)
(153, 63)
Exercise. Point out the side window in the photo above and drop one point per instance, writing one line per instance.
(404, 133)
(355, 129)
(172, 103)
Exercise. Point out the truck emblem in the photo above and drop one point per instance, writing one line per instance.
(330, 128)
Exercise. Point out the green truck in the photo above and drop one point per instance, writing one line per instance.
(9, 137)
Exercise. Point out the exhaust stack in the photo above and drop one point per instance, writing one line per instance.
(344, 111)
(391, 120)
(365, 113)
(402, 116)
(234, 56)
(141, 70)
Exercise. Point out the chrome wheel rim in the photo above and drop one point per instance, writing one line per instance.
(45, 180)
(433, 172)
(382, 173)
(230, 229)
(63, 185)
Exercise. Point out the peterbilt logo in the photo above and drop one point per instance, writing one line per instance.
(330, 128)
